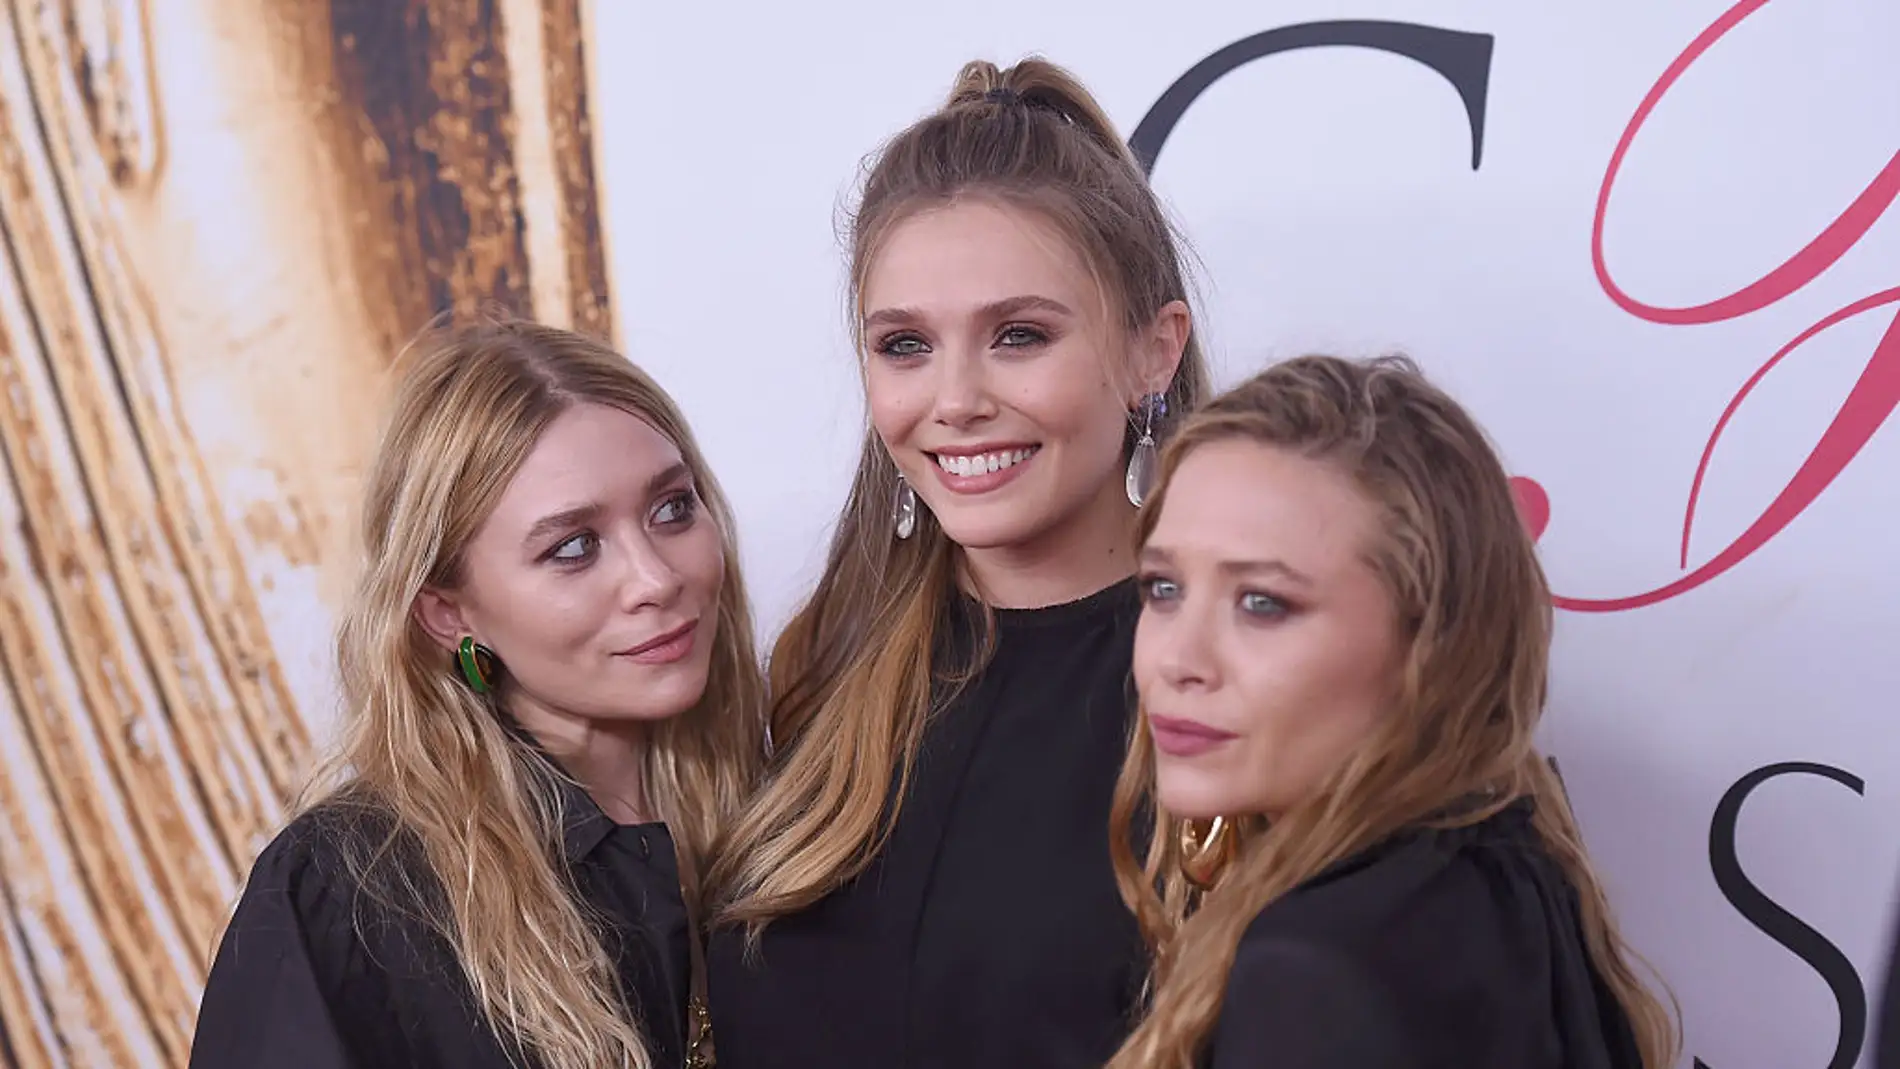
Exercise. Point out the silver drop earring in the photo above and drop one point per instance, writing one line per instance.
(904, 509)
(1142, 463)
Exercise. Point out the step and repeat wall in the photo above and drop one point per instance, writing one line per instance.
(1654, 246)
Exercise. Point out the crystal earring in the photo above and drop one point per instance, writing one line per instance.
(904, 510)
(1142, 463)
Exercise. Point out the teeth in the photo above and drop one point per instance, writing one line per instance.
(984, 463)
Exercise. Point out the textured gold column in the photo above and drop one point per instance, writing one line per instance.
(218, 218)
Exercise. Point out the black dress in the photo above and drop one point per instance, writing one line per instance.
(1886, 1028)
(989, 931)
(1456, 949)
(313, 973)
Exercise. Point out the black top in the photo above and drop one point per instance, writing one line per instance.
(988, 932)
(315, 973)
(1453, 949)
(1887, 1014)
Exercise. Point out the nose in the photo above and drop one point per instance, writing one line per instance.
(963, 393)
(651, 580)
(1179, 647)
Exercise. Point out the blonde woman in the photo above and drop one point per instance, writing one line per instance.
(551, 701)
(1362, 860)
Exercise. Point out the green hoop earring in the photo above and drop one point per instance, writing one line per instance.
(478, 665)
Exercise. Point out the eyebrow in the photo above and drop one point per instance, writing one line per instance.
(1157, 555)
(1004, 308)
(577, 515)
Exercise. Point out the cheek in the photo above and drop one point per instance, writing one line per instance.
(537, 620)
(1145, 666)
(897, 400)
(699, 559)
(1068, 398)
(1315, 703)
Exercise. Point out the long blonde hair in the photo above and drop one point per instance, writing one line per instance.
(467, 797)
(851, 674)
(1472, 597)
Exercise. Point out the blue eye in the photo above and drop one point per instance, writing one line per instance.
(680, 508)
(578, 548)
(1263, 605)
(902, 345)
(1019, 337)
(1155, 588)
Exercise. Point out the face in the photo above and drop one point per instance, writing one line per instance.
(595, 580)
(995, 376)
(1268, 647)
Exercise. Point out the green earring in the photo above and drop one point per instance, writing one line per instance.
(478, 665)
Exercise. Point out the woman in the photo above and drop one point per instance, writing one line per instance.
(551, 702)
(925, 879)
(1362, 859)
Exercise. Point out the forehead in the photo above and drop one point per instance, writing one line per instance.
(589, 453)
(973, 252)
(1238, 500)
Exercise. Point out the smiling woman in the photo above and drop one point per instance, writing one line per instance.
(929, 859)
(551, 705)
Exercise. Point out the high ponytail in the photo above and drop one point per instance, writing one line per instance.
(1037, 84)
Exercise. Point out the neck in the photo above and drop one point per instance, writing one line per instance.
(607, 757)
(1087, 552)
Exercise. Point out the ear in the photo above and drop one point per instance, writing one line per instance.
(441, 617)
(1158, 350)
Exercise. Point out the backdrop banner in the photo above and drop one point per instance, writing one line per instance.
(1653, 246)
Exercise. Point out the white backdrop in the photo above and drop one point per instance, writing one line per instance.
(1331, 198)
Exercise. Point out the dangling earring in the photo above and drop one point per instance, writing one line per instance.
(478, 664)
(1206, 849)
(1141, 464)
(904, 510)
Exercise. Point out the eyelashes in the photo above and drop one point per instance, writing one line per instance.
(677, 511)
(685, 503)
(1159, 592)
(908, 344)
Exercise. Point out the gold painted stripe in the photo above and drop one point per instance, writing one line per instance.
(568, 60)
(535, 166)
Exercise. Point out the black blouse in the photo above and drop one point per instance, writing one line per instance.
(315, 973)
(989, 931)
(1442, 949)
(1886, 1027)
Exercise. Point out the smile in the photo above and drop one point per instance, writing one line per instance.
(982, 471)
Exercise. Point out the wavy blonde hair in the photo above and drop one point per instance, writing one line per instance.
(1472, 597)
(467, 797)
(851, 674)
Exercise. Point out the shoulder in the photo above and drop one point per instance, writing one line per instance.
(318, 869)
(1308, 1004)
(1425, 881)
(1436, 929)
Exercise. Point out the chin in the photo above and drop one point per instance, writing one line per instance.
(1191, 796)
(670, 692)
(988, 532)
(996, 525)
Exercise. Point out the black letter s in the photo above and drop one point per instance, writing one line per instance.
(1777, 923)
(1463, 59)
